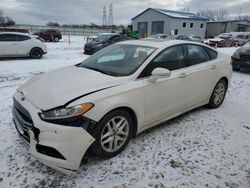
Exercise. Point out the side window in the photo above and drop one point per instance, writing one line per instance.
(8, 38)
(22, 38)
(184, 24)
(191, 25)
(172, 59)
(212, 53)
(196, 54)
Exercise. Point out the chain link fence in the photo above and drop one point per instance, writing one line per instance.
(68, 30)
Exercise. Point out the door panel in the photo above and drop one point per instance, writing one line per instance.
(203, 74)
(166, 96)
(8, 45)
(202, 81)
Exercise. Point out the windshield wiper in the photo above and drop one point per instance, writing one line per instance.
(98, 70)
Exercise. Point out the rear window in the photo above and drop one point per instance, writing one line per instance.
(22, 38)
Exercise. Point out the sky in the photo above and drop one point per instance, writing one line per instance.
(39, 12)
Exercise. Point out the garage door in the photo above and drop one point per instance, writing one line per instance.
(157, 27)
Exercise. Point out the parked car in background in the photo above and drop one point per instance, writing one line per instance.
(222, 40)
(103, 41)
(10, 29)
(158, 36)
(195, 38)
(115, 94)
(178, 37)
(241, 58)
(241, 38)
(51, 35)
(21, 45)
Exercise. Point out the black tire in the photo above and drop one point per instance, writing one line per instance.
(56, 39)
(98, 147)
(217, 97)
(36, 53)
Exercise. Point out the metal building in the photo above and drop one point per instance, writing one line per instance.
(155, 21)
(217, 27)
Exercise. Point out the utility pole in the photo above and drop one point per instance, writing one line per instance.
(111, 14)
(104, 17)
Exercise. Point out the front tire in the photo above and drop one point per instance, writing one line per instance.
(36, 53)
(218, 94)
(112, 134)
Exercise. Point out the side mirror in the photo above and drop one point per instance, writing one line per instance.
(159, 73)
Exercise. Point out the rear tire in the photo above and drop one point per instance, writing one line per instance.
(218, 94)
(56, 39)
(112, 134)
(36, 53)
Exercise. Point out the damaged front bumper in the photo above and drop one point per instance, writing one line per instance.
(57, 146)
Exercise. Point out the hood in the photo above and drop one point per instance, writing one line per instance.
(93, 44)
(216, 39)
(58, 87)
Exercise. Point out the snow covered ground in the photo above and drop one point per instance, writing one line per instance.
(203, 148)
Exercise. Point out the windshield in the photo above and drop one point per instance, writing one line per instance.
(103, 38)
(118, 59)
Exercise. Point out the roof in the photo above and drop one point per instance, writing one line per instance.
(157, 43)
(174, 14)
(16, 33)
(228, 21)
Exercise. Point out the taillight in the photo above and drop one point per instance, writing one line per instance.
(232, 61)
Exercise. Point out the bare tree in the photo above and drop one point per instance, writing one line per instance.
(214, 15)
(5, 21)
(209, 14)
(185, 9)
(221, 14)
(243, 18)
(52, 24)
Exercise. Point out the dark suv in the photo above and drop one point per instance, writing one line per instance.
(102, 41)
(51, 35)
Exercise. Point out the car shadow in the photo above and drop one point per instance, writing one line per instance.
(243, 71)
(14, 58)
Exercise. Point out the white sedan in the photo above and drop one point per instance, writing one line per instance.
(13, 44)
(115, 94)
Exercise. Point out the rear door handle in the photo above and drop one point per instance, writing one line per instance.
(213, 67)
(183, 75)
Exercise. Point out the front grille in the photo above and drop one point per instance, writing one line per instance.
(245, 58)
(22, 121)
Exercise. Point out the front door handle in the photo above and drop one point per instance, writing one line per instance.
(213, 67)
(183, 75)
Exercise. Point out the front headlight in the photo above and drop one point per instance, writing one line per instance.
(61, 113)
(98, 45)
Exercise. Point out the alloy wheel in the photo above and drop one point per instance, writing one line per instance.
(114, 134)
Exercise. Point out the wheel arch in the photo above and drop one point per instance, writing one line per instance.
(225, 79)
(35, 48)
(132, 114)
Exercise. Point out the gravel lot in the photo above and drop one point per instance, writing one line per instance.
(203, 148)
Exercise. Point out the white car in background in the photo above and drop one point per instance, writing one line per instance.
(13, 44)
(115, 94)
